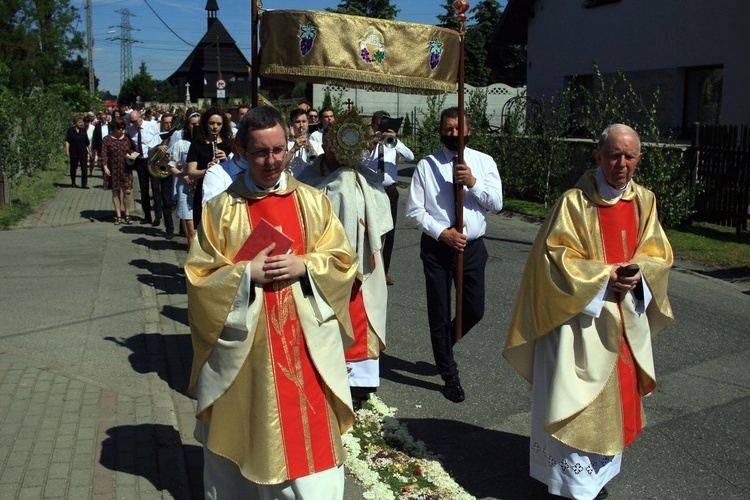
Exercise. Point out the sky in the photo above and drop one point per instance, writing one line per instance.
(163, 51)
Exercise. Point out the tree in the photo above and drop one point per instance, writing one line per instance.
(37, 38)
(477, 72)
(143, 84)
(379, 9)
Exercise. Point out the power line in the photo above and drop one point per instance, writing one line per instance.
(166, 25)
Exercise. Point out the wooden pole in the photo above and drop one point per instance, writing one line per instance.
(254, 54)
(461, 8)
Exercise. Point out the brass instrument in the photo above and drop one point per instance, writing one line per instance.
(158, 162)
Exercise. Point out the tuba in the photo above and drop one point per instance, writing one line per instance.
(158, 163)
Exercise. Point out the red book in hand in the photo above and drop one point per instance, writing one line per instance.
(264, 233)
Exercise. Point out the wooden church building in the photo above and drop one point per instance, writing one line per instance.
(216, 57)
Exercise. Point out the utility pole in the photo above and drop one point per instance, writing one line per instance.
(126, 41)
(89, 34)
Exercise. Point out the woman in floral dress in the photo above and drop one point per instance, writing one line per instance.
(117, 175)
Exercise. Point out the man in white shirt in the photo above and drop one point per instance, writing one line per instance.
(145, 135)
(219, 177)
(327, 118)
(383, 158)
(431, 207)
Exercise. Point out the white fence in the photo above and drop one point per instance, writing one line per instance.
(398, 104)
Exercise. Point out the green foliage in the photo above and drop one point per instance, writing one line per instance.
(28, 192)
(427, 136)
(327, 102)
(144, 85)
(484, 61)
(76, 97)
(379, 9)
(538, 162)
(406, 127)
(37, 39)
(33, 132)
(339, 108)
(300, 90)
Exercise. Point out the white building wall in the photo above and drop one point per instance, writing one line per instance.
(399, 104)
(634, 35)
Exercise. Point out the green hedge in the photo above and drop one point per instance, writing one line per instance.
(32, 132)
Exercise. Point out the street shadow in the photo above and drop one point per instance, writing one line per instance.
(395, 370)
(99, 215)
(164, 277)
(169, 356)
(485, 462)
(153, 452)
(732, 275)
(179, 314)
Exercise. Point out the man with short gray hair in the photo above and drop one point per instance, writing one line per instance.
(593, 294)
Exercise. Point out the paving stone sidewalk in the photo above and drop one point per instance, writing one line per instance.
(69, 434)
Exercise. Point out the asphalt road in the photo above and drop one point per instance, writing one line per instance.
(105, 306)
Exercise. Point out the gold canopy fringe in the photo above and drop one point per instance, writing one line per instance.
(358, 52)
(360, 80)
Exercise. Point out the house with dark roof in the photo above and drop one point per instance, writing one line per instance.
(216, 57)
(694, 51)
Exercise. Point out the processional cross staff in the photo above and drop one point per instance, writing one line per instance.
(461, 7)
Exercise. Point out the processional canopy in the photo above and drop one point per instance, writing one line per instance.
(358, 52)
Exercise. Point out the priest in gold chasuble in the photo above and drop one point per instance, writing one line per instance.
(269, 330)
(592, 296)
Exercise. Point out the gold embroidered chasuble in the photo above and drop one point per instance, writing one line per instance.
(233, 366)
(565, 271)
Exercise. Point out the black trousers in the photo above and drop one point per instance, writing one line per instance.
(145, 184)
(390, 236)
(74, 164)
(439, 262)
(163, 201)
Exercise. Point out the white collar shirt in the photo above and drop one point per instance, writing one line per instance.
(149, 135)
(430, 204)
(316, 139)
(390, 161)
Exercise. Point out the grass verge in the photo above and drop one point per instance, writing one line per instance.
(710, 244)
(27, 193)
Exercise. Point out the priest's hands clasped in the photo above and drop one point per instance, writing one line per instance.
(265, 269)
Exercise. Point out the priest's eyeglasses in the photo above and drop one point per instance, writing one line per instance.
(262, 154)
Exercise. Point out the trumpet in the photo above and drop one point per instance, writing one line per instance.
(310, 150)
(389, 140)
(158, 163)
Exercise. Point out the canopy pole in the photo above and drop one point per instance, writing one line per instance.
(461, 7)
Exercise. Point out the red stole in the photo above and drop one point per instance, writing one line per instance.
(619, 229)
(300, 392)
(358, 350)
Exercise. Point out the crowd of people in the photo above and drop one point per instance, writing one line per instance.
(290, 224)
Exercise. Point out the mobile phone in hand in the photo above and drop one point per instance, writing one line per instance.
(628, 271)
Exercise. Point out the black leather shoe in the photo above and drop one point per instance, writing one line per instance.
(170, 235)
(453, 390)
(157, 222)
(146, 221)
(603, 493)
